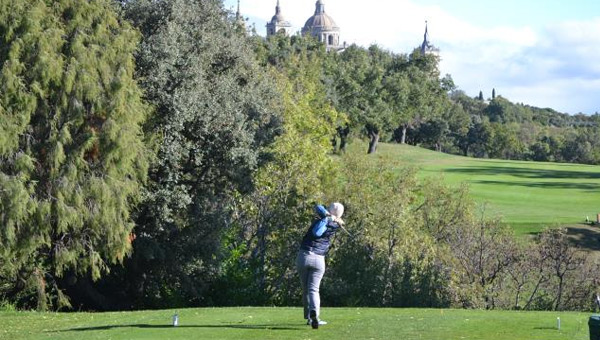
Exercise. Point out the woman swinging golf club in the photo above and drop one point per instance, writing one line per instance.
(311, 258)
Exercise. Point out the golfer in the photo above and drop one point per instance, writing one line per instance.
(311, 258)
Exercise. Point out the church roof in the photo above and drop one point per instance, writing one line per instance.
(426, 46)
(320, 20)
(278, 18)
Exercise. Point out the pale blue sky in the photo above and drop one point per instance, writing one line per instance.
(542, 53)
(517, 12)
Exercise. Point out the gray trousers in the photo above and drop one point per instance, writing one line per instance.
(311, 268)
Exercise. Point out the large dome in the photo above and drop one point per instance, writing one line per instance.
(320, 21)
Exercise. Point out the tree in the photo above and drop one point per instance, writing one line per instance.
(500, 110)
(551, 274)
(493, 94)
(398, 92)
(444, 209)
(458, 126)
(390, 261)
(504, 143)
(273, 218)
(432, 132)
(427, 93)
(359, 87)
(562, 261)
(540, 151)
(280, 50)
(478, 138)
(71, 147)
(215, 110)
(382, 91)
(483, 252)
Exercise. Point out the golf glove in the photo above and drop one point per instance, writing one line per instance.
(336, 219)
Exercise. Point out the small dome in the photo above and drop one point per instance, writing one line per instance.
(278, 18)
(277, 23)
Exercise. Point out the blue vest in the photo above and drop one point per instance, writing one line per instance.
(319, 245)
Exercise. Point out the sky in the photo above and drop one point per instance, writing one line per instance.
(544, 53)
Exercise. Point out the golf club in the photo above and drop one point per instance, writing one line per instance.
(347, 232)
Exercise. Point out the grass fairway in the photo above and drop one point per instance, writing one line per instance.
(527, 195)
(286, 323)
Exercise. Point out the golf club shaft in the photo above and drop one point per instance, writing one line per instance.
(347, 232)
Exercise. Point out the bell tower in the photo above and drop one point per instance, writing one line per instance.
(278, 24)
(426, 46)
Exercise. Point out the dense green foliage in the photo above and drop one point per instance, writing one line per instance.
(426, 244)
(287, 323)
(208, 209)
(390, 260)
(265, 230)
(71, 148)
(214, 111)
(382, 91)
(504, 130)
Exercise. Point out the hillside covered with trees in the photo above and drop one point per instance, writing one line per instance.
(155, 153)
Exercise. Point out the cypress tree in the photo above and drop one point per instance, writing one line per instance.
(72, 155)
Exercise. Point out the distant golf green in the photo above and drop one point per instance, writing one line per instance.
(527, 195)
(287, 323)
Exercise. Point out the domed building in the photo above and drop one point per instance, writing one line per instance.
(278, 24)
(323, 28)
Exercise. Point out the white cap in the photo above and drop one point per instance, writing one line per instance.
(336, 209)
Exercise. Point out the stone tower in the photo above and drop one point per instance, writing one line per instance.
(323, 28)
(278, 24)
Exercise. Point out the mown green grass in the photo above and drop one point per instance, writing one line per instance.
(527, 195)
(287, 323)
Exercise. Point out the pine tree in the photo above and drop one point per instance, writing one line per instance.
(72, 155)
